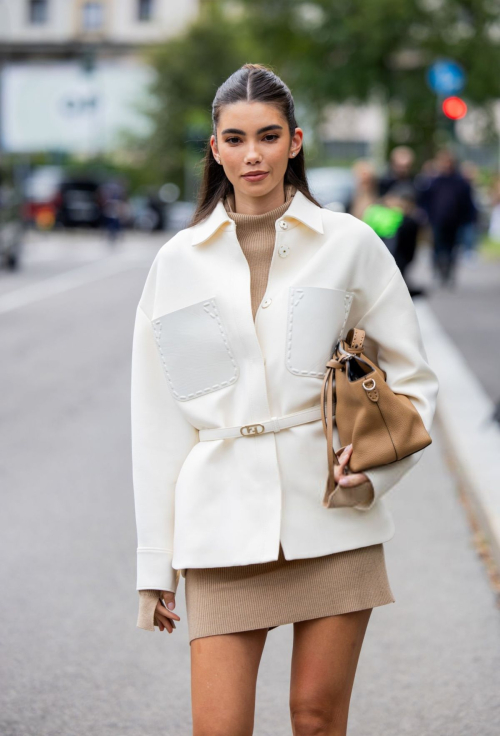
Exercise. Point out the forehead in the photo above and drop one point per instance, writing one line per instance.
(250, 115)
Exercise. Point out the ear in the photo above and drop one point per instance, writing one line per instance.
(214, 147)
(296, 142)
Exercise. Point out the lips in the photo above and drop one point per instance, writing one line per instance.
(255, 175)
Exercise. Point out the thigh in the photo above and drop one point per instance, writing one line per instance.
(224, 672)
(324, 661)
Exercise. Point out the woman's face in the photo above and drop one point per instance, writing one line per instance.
(254, 146)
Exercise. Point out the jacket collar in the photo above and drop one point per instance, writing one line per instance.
(301, 208)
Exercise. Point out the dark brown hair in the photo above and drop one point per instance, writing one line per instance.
(250, 83)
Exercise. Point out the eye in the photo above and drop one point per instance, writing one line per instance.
(233, 139)
(271, 136)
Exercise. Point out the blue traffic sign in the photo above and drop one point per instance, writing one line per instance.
(446, 77)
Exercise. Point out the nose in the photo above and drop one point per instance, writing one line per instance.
(252, 156)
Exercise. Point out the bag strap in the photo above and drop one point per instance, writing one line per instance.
(354, 340)
(352, 344)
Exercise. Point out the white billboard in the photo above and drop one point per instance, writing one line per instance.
(60, 107)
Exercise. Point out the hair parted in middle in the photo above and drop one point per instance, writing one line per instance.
(249, 83)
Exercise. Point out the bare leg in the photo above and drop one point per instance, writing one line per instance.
(325, 656)
(223, 682)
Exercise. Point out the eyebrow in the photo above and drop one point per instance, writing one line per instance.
(260, 130)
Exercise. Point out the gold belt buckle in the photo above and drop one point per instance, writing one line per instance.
(252, 430)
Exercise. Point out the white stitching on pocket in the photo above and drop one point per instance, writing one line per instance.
(296, 295)
(347, 306)
(210, 308)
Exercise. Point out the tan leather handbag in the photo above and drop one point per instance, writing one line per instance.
(382, 426)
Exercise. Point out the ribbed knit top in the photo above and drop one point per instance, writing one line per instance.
(256, 235)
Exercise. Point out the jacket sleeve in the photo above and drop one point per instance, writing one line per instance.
(161, 440)
(393, 340)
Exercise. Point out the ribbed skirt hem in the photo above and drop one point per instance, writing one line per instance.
(224, 600)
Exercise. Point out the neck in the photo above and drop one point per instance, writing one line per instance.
(247, 205)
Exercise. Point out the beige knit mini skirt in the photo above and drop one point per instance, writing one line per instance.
(223, 600)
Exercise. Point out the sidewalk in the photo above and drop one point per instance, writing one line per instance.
(470, 314)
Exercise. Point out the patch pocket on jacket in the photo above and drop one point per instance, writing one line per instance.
(316, 320)
(195, 350)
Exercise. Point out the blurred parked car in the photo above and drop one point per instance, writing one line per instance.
(80, 202)
(332, 186)
(146, 213)
(179, 214)
(11, 226)
(54, 196)
(42, 196)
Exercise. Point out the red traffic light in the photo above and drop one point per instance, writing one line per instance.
(454, 108)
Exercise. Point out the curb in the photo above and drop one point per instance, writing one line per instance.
(465, 415)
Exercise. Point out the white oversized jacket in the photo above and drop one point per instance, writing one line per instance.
(200, 361)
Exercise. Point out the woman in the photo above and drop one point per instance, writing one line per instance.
(238, 316)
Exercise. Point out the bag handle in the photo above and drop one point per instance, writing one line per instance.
(354, 340)
(353, 344)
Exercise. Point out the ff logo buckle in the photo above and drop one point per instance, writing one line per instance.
(251, 429)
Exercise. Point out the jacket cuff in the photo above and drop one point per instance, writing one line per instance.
(155, 571)
(385, 477)
(146, 618)
(368, 492)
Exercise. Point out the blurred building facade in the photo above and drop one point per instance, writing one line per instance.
(63, 28)
(72, 76)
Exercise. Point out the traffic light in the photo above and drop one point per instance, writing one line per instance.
(454, 108)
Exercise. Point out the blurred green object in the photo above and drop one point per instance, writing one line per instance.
(384, 220)
(489, 249)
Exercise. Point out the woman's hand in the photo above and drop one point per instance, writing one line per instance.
(347, 481)
(359, 489)
(165, 616)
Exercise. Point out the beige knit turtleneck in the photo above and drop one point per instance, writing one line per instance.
(256, 235)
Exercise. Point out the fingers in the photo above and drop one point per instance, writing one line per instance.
(339, 475)
(164, 614)
(355, 479)
(338, 470)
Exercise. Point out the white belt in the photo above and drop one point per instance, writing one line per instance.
(275, 424)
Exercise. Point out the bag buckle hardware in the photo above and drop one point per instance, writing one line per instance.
(252, 429)
(366, 381)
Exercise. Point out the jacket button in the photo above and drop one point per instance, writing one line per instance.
(284, 250)
(266, 303)
(283, 224)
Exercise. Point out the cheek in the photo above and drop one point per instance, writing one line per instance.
(277, 155)
(232, 158)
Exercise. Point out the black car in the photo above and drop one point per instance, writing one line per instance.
(80, 202)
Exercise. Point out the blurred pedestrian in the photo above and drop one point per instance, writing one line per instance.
(394, 217)
(403, 196)
(494, 226)
(448, 203)
(113, 202)
(366, 188)
(400, 171)
(468, 231)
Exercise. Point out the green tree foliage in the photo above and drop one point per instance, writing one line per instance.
(337, 50)
(327, 51)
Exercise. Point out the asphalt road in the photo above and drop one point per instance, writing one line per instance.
(73, 662)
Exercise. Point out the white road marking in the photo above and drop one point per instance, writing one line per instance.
(66, 281)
